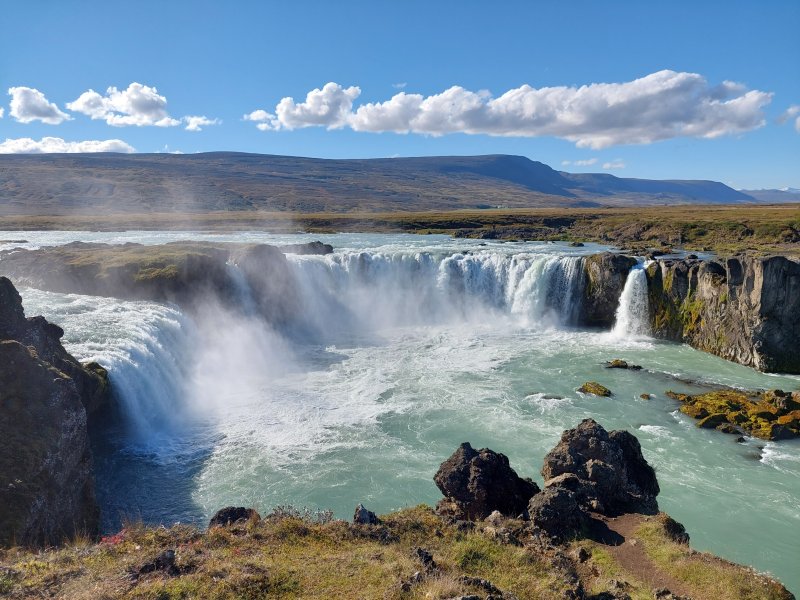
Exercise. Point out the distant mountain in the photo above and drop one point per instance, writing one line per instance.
(56, 184)
(775, 196)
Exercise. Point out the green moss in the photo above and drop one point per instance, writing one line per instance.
(592, 387)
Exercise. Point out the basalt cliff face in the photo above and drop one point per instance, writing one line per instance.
(46, 482)
(744, 309)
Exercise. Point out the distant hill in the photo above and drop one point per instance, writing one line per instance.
(775, 196)
(58, 184)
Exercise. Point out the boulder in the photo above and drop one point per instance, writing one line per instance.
(478, 482)
(594, 388)
(610, 473)
(558, 512)
(233, 514)
(362, 516)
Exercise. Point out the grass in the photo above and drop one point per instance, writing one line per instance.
(724, 229)
(716, 577)
(292, 555)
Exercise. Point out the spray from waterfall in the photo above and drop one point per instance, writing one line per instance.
(633, 312)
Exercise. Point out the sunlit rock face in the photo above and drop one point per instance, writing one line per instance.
(744, 309)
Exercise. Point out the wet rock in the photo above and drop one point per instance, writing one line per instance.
(478, 482)
(605, 279)
(618, 363)
(592, 387)
(233, 514)
(609, 470)
(315, 247)
(362, 516)
(645, 396)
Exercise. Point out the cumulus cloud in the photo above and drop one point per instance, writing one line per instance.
(55, 144)
(196, 123)
(399, 86)
(29, 104)
(138, 105)
(2, 112)
(659, 106)
(615, 164)
(329, 107)
(791, 113)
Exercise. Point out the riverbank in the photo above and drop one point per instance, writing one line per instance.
(762, 229)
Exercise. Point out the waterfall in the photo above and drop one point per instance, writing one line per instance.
(633, 312)
(370, 290)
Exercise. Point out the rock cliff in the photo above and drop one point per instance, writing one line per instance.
(605, 279)
(744, 309)
(46, 483)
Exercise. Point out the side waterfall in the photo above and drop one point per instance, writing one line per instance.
(633, 312)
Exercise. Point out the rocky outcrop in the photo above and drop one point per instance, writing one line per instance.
(772, 415)
(744, 309)
(187, 273)
(46, 483)
(606, 470)
(605, 279)
(478, 482)
(232, 514)
(90, 379)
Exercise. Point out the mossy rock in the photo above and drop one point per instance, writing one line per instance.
(592, 387)
(712, 421)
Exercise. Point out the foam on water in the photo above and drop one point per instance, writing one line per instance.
(420, 343)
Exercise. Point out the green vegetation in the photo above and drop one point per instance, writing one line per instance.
(723, 229)
(717, 578)
(592, 387)
(768, 415)
(286, 555)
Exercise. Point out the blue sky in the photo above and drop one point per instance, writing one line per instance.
(667, 114)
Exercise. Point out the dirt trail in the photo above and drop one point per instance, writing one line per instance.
(631, 556)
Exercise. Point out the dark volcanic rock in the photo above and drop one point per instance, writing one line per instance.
(232, 514)
(362, 516)
(477, 482)
(605, 278)
(745, 309)
(557, 511)
(46, 483)
(612, 475)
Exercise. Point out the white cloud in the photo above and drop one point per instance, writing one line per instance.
(29, 104)
(2, 112)
(138, 105)
(580, 163)
(615, 164)
(54, 144)
(328, 107)
(793, 112)
(659, 106)
(196, 123)
(399, 86)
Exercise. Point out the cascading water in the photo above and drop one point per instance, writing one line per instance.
(633, 312)
(422, 342)
(375, 290)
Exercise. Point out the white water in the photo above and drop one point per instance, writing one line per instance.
(633, 312)
(412, 345)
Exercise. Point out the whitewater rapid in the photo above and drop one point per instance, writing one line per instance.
(412, 345)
